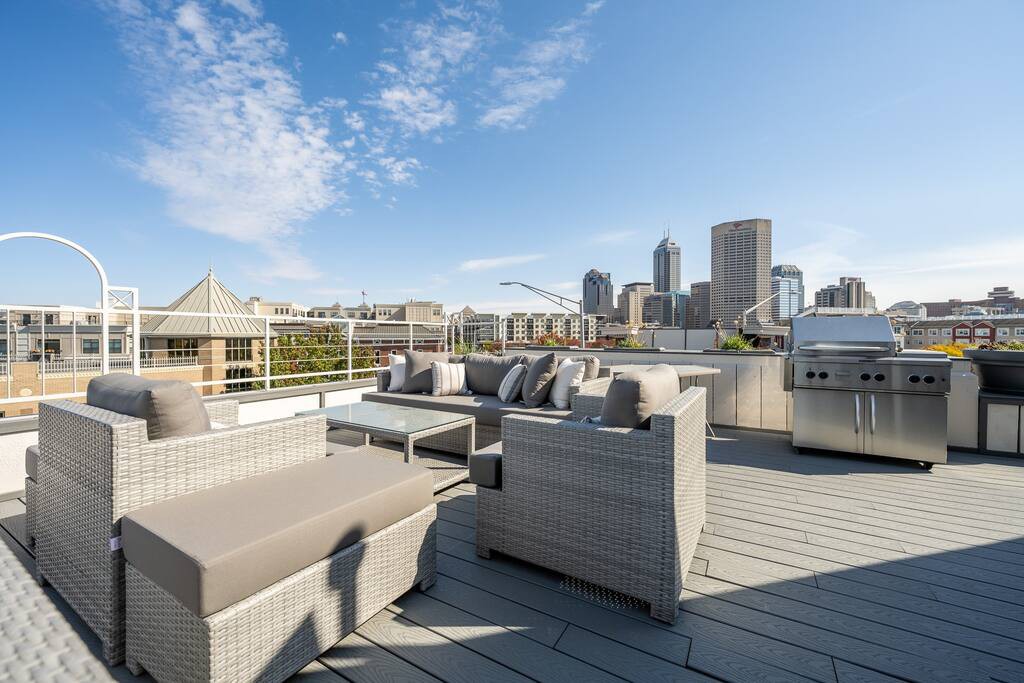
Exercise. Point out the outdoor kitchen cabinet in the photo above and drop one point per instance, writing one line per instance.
(903, 426)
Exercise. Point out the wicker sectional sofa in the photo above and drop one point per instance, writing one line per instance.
(487, 409)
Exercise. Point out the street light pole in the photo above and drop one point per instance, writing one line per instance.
(560, 301)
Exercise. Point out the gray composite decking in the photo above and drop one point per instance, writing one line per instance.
(811, 567)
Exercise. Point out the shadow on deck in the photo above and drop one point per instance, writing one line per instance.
(811, 567)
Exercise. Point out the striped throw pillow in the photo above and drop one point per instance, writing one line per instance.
(449, 379)
(512, 384)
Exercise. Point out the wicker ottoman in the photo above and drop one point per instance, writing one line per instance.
(253, 580)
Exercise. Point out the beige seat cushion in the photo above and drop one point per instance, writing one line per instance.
(32, 462)
(169, 407)
(215, 547)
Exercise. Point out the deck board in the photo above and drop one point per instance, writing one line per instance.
(811, 567)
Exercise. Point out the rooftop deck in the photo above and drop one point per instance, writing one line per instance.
(810, 568)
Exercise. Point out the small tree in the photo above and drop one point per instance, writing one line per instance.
(321, 351)
(630, 342)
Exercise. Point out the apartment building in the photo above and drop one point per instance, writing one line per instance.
(963, 330)
(1003, 299)
(851, 292)
(631, 302)
(260, 307)
(411, 311)
(524, 328)
(741, 262)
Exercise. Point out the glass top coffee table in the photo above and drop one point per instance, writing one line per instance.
(450, 432)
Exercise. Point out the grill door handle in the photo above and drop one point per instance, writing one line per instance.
(872, 413)
(856, 413)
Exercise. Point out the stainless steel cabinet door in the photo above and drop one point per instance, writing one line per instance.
(829, 419)
(906, 426)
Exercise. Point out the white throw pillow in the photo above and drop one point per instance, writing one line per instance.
(570, 374)
(512, 384)
(449, 379)
(396, 363)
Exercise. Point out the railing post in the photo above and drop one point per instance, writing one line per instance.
(266, 353)
(74, 352)
(411, 347)
(10, 351)
(136, 340)
(349, 335)
(445, 330)
(42, 357)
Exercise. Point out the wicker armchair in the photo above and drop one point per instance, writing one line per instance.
(621, 508)
(95, 466)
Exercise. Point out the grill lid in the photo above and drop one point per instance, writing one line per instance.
(869, 336)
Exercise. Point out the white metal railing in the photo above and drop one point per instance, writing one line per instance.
(277, 349)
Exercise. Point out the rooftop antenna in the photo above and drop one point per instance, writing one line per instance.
(364, 296)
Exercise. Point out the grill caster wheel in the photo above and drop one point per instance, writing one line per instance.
(796, 449)
(927, 466)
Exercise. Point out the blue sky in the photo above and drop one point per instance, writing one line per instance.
(312, 149)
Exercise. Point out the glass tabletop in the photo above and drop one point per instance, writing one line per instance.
(384, 416)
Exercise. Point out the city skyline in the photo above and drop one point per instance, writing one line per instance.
(864, 99)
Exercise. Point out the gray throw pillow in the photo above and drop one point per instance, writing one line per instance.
(592, 365)
(539, 378)
(484, 373)
(634, 396)
(418, 377)
(169, 407)
(512, 385)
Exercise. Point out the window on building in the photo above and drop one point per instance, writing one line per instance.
(933, 332)
(917, 333)
(1003, 332)
(963, 332)
(237, 350)
(238, 373)
(115, 346)
(90, 346)
(947, 332)
(183, 348)
(3, 347)
(1019, 332)
(982, 332)
(26, 318)
(49, 318)
(52, 347)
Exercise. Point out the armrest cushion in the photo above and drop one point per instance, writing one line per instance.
(588, 400)
(383, 380)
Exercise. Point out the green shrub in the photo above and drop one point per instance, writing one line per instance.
(735, 342)
(630, 343)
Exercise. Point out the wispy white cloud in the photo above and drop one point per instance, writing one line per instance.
(237, 149)
(539, 73)
(478, 264)
(340, 37)
(567, 286)
(936, 274)
(613, 236)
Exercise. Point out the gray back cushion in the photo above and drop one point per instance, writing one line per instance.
(418, 377)
(484, 373)
(539, 379)
(633, 396)
(591, 366)
(169, 407)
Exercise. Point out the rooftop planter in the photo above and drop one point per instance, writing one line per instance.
(998, 370)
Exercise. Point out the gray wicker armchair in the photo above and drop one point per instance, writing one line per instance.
(621, 508)
(95, 466)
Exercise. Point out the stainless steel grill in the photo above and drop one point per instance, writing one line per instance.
(853, 392)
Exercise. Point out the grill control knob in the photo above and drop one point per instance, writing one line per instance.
(865, 376)
(810, 374)
(822, 375)
(914, 379)
(928, 379)
(879, 377)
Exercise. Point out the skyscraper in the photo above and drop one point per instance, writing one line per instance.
(598, 296)
(851, 292)
(667, 265)
(631, 302)
(741, 262)
(698, 310)
(788, 281)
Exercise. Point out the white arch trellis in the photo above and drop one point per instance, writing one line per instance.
(111, 297)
